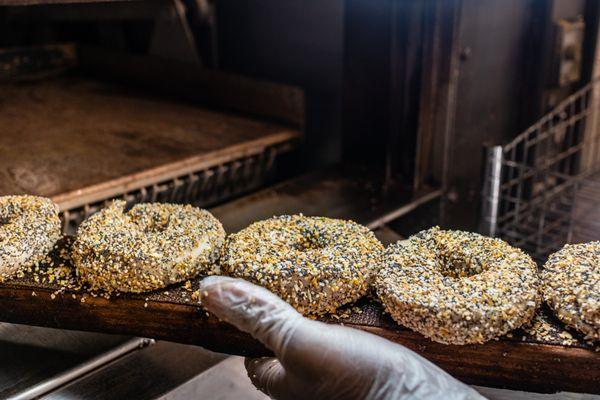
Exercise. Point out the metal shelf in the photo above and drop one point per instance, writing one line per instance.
(82, 142)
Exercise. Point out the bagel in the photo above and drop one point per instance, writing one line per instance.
(146, 248)
(29, 228)
(571, 287)
(316, 264)
(458, 287)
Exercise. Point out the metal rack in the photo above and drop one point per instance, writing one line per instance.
(201, 187)
(540, 188)
(108, 132)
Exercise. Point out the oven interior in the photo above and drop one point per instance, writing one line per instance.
(399, 115)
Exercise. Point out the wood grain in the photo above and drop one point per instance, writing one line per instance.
(516, 365)
(506, 363)
(521, 362)
(518, 362)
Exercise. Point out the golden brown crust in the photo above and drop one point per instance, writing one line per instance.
(29, 228)
(316, 264)
(458, 287)
(571, 287)
(146, 248)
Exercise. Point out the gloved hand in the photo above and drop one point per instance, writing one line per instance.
(321, 361)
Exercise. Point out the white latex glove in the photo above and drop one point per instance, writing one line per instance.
(321, 361)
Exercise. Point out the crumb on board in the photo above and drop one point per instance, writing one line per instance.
(56, 271)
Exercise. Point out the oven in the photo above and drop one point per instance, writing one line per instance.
(470, 114)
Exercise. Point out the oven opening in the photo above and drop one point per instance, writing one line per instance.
(476, 116)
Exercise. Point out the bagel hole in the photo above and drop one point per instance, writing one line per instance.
(152, 225)
(308, 243)
(456, 266)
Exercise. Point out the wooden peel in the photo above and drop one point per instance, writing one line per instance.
(520, 362)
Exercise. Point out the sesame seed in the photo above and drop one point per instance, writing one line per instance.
(458, 287)
(571, 287)
(149, 247)
(316, 264)
(29, 229)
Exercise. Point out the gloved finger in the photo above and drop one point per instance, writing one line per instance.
(268, 375)
(252, 309)
(265, 316)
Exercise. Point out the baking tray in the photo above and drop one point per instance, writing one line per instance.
(83, 125)
(81, 141)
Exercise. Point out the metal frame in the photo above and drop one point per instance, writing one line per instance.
(533, 185)
(202, 187)
(36, 391)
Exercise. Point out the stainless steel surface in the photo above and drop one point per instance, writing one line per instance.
(147, 374)
(228, 380)
(172, 37)
(569, 50)
(31, 355)
(491, 190)
(543, 171)
(404, 209)
(341, 191)
(80, 370)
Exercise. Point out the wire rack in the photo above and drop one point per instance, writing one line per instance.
(542, 189)
(202, 187)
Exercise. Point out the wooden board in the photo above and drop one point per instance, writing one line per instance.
(517, 362)
(79, 140)
(522, 361)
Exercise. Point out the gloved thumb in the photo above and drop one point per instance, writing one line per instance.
(251, 309)
(269, 376)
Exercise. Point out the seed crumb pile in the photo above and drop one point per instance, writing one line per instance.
(316, 264)
(146, 248)
(571, 287)
(53, 271)
(458, 287)
(29, 228)
(542, 330)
